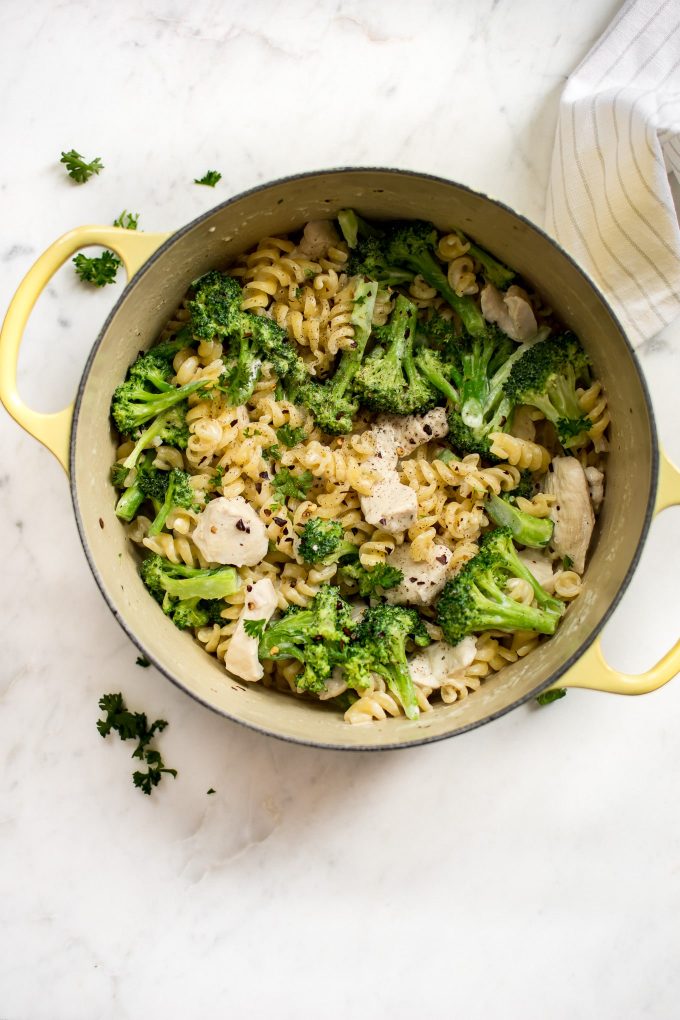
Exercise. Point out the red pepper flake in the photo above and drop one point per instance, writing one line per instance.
(101, 523)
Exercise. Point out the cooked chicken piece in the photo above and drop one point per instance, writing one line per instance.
(596, 486)
(414, 430)
(391, 506)
(441, 662)
(241, 658)
(538, 564)
(572, 513)
(318, 236)
(523, 424)
(510, 310)
(229, 531)
(422, 581)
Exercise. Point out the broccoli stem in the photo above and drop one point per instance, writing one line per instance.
(129, 502)
(217, 583)
(430, 366)
(534, 532)
(496, 272)
(500, 612)
(471, 317)
(400, 683)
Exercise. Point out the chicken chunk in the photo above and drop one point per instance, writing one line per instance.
(317, 237)
(229, 531)
(391, 506)
(422, 581)
(538, 564)
(441, 662)
(573, 512)
(510, 310)
(596, 487)
(414, 430)
(242, 658)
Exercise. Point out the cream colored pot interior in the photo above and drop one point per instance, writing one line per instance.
(213, 242)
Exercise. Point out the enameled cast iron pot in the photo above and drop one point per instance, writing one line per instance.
(160, 267)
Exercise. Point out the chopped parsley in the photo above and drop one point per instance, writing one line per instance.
(134, 726)
(549, 696)
(142, 660)
(78, 168)
(290, 437)
(97, 271)
(290, 486)
(127, 220)
(211, 790)
(567, 563)
(210, 178)
(254, 628)
(273, 452)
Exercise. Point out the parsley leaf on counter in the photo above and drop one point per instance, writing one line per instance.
(211, 790)
(549, 696)
(98, 271)
(142, 660)
(290, 486)
(210, 178)
(134, 726)
(128, 220)
(78, 168)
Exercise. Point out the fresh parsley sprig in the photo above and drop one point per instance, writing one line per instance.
(127, 220)
(289, 436)
(290, 486)
(549, 696)
(78, 168)
(134, 726)
(254, 628)
(97, 270)
(210, 178)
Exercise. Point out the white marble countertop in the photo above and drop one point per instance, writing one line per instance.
(526, 870)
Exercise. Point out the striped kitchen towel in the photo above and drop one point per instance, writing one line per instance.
(618, 138)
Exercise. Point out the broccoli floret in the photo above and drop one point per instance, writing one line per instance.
(546, 377)
(154, 368)
(380, 647)
(216, 306)
(472, 373)
(178, 581)
(317, 637)
(132, 496)
(241, 373)
(524, 488)
(371, 580)
(496, 272)
(170, 427)
(170, 489)
(475, 600)
(368, 259)
(534, 532)
(354, 226)
(389, 380)
(216, 311)
(324, 542)
(330, 402)
(119, 475)
(412, 244)
(187, 613)
(132, 405)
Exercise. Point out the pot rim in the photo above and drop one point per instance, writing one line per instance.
(425, 739)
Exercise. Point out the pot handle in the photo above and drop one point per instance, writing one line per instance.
(592, 670)
(134, 248)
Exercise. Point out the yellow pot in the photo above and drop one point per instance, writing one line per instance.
(640, 480)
